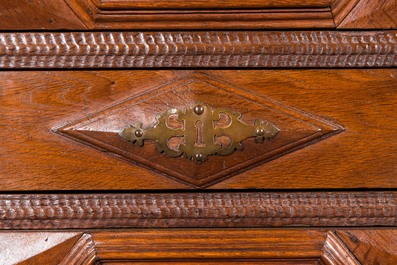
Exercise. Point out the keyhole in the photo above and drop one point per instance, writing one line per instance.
(199, 134)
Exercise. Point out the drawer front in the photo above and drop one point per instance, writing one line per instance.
(325, 129)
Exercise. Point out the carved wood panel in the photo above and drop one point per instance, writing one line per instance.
(283, 130)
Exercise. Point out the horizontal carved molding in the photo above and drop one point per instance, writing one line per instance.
(239, 209)
(325, 49)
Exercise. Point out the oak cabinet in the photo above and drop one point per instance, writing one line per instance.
(200, 132)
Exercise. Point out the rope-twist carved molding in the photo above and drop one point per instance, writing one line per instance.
(240, 209)
(198, 49)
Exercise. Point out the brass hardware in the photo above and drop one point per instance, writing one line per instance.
(199, 132)
(198, 109)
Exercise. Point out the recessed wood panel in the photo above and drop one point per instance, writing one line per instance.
(209, 244)
(217, 262)
(252, 14)
(206, 4)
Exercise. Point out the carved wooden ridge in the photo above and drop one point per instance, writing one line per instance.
(201, 132)
(211, 209)
(297, 49)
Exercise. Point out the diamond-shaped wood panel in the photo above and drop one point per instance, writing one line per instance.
(296, 129)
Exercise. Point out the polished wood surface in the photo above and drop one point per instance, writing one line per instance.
(372, 247)
(37, 14)
(206, 4)
(341, 8)
(35, 158)
(369, 14)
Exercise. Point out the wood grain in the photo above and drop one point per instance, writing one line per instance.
(223, 261)
(35, 158)
(353, 99)
(272, 49)
(82, 252)
(342, 8)
(336, 253)
(209, 244)
(372, 246)
(216, 19)
(37, 14)
(372, 14)
(206, 4)
(230, 209)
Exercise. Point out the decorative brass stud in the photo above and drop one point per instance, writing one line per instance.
(200, 158)
(138, 133)
(260, 131)
(198, 109)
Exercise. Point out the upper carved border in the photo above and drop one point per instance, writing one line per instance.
(237, 209)
(273, 49)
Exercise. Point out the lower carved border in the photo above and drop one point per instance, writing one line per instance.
(216, 209)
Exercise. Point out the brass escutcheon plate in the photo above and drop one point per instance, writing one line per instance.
(199, 132)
